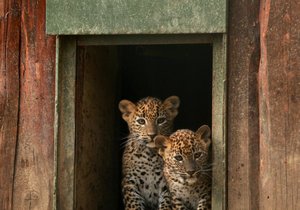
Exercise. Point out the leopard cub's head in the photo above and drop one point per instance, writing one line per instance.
(149, 117)
(185, 153)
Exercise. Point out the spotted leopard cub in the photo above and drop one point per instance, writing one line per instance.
(143, 184)
(186, 167)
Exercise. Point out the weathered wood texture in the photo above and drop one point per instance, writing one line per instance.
(263, 108)
(243, 62)
(97, 148)
(279, 105)
(27, 59)
(64, 127)
(135, 17)
(219, 107)
(9, 96)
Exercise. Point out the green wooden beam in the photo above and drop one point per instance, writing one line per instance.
(219, 127)
(135, 16)
(64, 128)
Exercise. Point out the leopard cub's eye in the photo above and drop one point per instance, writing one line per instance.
(197, 155)
(141, 121)
(178, 158)
(161, 120)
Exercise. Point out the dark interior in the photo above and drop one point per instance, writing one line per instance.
(165, 70)
(107, 74)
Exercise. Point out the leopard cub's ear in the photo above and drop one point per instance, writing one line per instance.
(203, 134)
(127, 108)
(160, 142)
(171, 104)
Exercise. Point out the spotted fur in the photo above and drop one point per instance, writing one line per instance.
(187, 168)
(143, 184)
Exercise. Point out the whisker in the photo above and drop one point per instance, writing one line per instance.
(130, 138)
(211, 164)
(209, 169)
(208, 175)
(123, 144)
(126, 137)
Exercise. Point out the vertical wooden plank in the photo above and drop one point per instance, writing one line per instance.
(219, 123)
(65, 123)
(9, 96)
(292, 133)
(279, 97)
(2, 14)
(34, 164)
(97, 148)
(243, 138)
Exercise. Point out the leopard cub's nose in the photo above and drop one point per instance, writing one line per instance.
(191, 173)
(152, 136)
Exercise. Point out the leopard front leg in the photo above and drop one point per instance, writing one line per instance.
(177, 204)
(132, 198)
(204, 204)
(164, 202)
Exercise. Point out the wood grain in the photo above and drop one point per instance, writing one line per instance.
(9, 97)
(97, 147)
(33, 184)
(64, 127)
(243, 61)
(77, 17)
(279, 99)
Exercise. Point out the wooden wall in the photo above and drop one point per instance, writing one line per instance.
(263, 105)
(27, 61)
(243, 125)
(264, 101)
(279, 105)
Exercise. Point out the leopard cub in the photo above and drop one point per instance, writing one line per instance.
(187, 168)
(143, 183)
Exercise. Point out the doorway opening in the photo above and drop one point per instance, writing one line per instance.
(108, 74)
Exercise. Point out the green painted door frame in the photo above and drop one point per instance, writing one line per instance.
(132, 22)
(66, 105)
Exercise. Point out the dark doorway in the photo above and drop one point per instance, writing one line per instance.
(164, 70)
(107, 74)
